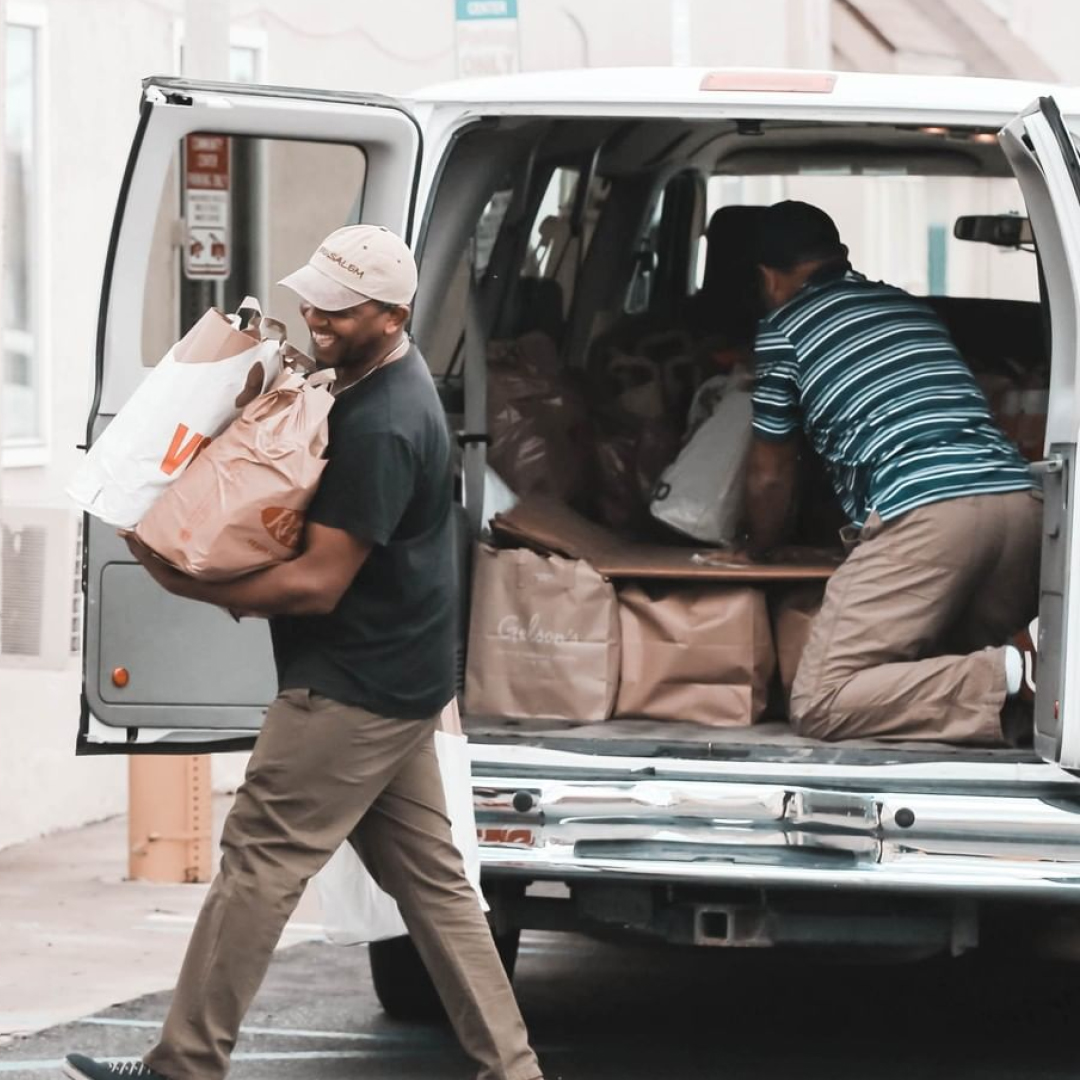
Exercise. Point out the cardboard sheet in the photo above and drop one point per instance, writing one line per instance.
(549, 526)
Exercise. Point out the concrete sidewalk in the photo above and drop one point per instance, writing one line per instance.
(75, 937)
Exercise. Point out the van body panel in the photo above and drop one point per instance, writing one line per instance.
(994, 823)
(196, 673)
(1044, 158)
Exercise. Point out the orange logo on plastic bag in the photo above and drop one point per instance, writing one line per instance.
(283, 525)
(179, 451)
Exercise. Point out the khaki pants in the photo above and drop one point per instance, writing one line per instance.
(958, 576)
(322, 772)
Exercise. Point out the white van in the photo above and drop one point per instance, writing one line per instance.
(677, 831)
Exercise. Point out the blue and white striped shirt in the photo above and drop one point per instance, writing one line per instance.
(871, 375)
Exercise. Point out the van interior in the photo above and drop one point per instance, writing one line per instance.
(610, 257)
(599, 270)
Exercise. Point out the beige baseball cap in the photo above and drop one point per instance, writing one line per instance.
(354, 264)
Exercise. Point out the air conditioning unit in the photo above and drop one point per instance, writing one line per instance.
(40, 592)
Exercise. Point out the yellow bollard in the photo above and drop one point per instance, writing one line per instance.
(169, 818)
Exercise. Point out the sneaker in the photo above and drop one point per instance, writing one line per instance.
(80, 1067)
(1025, 643)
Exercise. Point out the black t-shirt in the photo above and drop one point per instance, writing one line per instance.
(389, 644)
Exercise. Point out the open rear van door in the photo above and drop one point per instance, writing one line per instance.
(1044, 158)
(227, 189)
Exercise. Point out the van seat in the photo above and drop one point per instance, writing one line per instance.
(994, 336)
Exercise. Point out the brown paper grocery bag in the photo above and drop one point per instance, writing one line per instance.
(240, 505)
(698, 653)
(793, 615)
(543, 638)
(211, 339)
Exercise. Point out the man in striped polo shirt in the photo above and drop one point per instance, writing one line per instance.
(945, 519)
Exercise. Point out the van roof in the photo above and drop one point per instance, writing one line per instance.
(645, 87)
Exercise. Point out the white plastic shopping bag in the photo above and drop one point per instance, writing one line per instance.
(498, 498)
(193, 394)
(701, 492)
(355, 909)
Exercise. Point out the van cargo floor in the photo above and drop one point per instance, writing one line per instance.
(771, 740)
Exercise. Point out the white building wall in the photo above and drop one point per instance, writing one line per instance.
(1050, 27)
(98, 51)
(95, 54)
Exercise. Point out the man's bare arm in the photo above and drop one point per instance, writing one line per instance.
(311, 584)
(770, 492)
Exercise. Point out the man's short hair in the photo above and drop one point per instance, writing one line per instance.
(790, 233)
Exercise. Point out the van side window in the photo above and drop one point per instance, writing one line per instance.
(665, 257)
(487, 229)
(550, 238)
(562, 230)
(443, 347)
(641, 280)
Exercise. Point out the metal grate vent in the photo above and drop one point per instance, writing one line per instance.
(77, 595)
(40, 592)
(22, 589)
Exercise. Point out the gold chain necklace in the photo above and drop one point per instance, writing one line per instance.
(399, 349)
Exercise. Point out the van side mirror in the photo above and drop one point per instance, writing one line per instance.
(1001, 230)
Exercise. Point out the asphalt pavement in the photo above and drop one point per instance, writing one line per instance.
(600, 1011)
(87, 959)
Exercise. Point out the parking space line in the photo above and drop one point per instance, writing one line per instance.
(42, 1064)
(291, 1033)
(189, 920)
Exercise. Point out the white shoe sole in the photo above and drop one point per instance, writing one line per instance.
(73, 1073)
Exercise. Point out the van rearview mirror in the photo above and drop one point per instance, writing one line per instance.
(1002, 230)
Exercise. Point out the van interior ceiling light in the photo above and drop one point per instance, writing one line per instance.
(987, 138)
(934, 129)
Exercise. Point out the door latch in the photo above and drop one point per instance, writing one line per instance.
(1055, 463)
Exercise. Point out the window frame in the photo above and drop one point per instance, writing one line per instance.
(34, 451)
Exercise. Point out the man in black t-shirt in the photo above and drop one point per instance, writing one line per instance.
(363, 624)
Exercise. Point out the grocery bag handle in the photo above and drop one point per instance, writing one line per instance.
(249, 310)
(525, 570)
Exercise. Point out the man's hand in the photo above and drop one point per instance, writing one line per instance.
(168, 577)
(238, 614)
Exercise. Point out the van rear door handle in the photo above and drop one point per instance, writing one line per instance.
(1053, 464)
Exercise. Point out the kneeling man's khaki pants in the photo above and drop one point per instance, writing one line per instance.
(957, 577)
(322, 772)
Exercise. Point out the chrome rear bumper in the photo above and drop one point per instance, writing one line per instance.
(1009, 830)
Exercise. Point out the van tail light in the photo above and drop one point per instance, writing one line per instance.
(771, 82)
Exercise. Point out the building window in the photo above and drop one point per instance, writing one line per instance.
(21, 421)
(244, 63)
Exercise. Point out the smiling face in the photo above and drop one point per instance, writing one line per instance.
(355, 338)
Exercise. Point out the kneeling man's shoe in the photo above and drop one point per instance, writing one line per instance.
(80, 1067)
(1026, 642)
